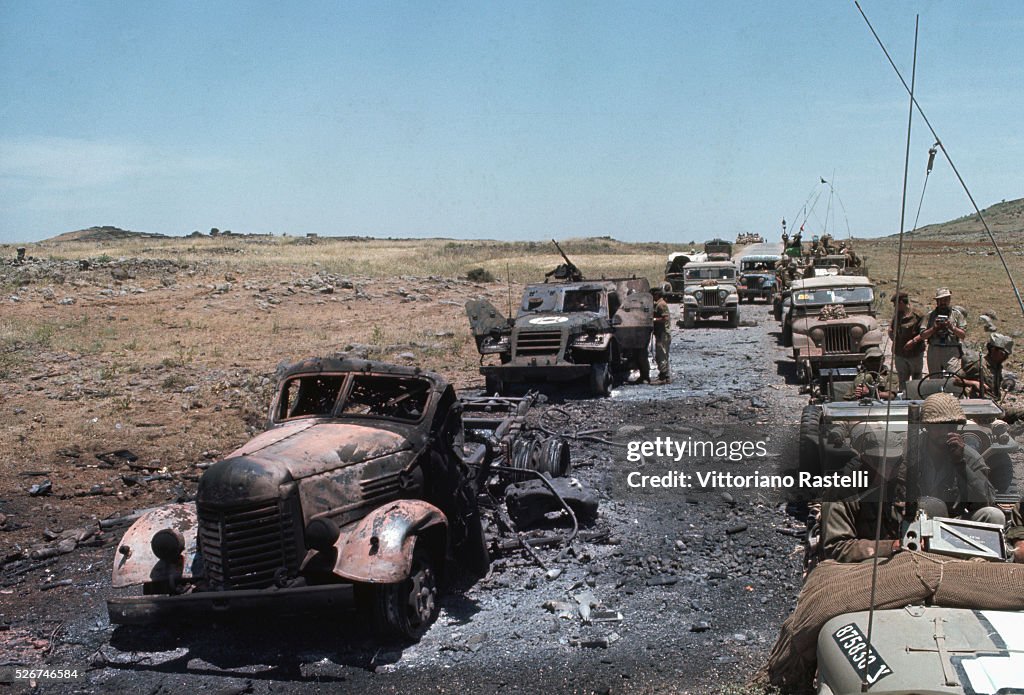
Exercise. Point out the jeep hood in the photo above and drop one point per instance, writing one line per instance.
(804, 324)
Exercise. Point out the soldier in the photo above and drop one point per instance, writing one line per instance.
(982, 376)
(848, 519)
(662, 335)
(874, 379)
(950, 471)
(903, 330)
(952, 480)
(826, 242)
(944, 328)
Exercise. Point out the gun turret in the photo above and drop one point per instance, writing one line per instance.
(566, 272)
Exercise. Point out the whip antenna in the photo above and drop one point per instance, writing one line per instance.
(945, 153)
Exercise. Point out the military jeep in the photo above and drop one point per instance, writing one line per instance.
(594, 330)
(828, 430)
(830, 322)
(757, 277)
(361, 494)
(710, 292)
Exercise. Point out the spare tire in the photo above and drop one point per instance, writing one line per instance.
(809, 452)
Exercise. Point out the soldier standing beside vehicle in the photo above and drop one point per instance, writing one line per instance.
(945, 327)
(908, 351)
(662, 335)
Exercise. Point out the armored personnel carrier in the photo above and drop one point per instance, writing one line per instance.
(595, 331)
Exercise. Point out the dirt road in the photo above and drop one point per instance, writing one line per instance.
(700, 577)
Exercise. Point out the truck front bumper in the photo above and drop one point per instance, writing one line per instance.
(140, 610)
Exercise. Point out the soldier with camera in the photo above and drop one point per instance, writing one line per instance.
(943, 331)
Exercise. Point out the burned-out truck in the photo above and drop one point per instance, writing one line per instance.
(361, 493)
(591, 330)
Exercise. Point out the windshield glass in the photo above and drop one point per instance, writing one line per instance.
(710, 273)
(834, 295)
(758, 266)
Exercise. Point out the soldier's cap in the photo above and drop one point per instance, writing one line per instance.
(1003, 342)
(873, 351)
(901, 295)
(942, 408)
(943, 292)
(874, 446)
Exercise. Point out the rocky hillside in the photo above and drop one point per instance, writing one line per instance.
(1003, 218)
(106, 233)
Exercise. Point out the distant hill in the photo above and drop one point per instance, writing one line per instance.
(1003, 218)
(105, 234)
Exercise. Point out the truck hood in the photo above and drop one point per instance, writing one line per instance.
(297, 450)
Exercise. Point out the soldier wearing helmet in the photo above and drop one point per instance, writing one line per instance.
(874, 379)
(981, 375)
(948, 469)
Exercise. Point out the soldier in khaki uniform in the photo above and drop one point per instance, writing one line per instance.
(943, 330)
(982, 375)
(662, 335)
(874, 379)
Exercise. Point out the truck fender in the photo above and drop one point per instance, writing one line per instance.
(378, 548)
(134, 560)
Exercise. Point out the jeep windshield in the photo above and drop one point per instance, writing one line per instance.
(833, 295)
(368, 395)
(697, 274)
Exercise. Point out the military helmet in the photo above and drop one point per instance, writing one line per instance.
(656, 291)
(876, 446)
(873, 351)
(1001, 341)
(942, 408)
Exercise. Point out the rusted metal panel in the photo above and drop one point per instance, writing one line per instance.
(378, 549)
(134, 560)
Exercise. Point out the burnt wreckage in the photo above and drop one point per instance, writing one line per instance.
(567, 330)
(362, 493)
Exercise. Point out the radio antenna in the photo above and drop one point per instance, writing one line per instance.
(945, 153)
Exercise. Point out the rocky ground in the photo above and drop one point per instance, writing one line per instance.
(685, 589)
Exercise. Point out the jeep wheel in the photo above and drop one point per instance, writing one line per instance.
(688, 319)
(493, 385)
(408, 608)
(734, 319)
(601, 379)
(810, 431)
(787, 335)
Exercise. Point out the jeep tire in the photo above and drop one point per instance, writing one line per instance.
(808, 451)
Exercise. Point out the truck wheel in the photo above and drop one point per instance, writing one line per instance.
(407, 609)
(688, 319)
(810, 432)
(1000, 472)
(734, 319)
(601, 379)
(493, 385)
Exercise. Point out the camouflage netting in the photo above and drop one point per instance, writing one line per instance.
(832, 312)
(909, 577)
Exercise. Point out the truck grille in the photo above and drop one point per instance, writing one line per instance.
(245, 547)
(837, 340)
(711, 299)
(539, 343)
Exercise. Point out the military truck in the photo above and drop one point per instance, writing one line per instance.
(674, 281)
(710, 292)
(360, 494)
(830, 322)
(595, 331)
(718, 250)
(757, 277)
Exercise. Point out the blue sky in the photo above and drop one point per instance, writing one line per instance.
(526, 120)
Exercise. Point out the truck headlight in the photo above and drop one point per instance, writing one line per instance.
(723, 293)
(168, 544)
